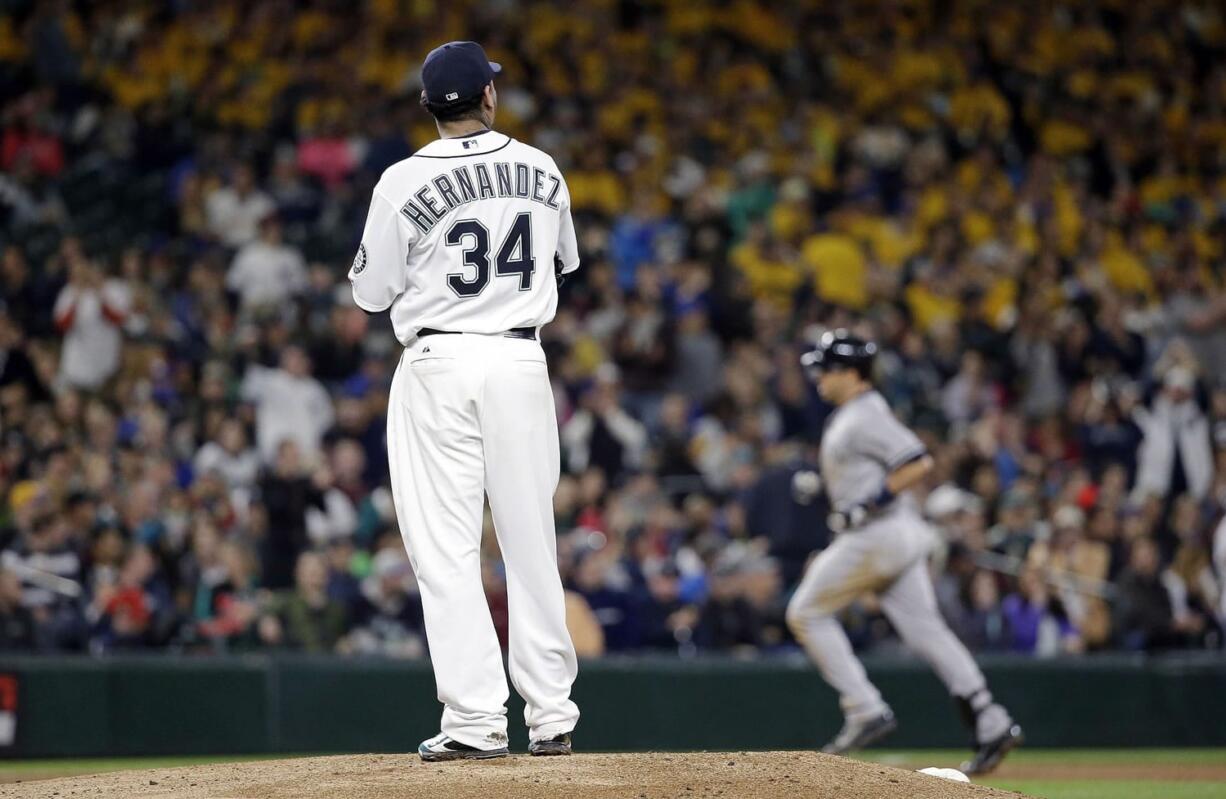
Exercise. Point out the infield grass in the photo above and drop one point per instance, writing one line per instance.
(1034, 761)
(1113, 789)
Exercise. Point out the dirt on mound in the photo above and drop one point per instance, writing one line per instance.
(731, 775)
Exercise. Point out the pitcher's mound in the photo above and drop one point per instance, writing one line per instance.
(732, 775)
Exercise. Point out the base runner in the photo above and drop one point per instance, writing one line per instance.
(868, 461)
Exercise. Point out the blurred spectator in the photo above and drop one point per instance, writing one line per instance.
(234, 210)
(604, 586)
(27, 201)
(1036, 624)
(969, 394)
(699, 357)
(984, 625)
(644, 350)
(338, 353)
(328, 156)
(1175, 440)
(43, 556)
(635, 238)
(230, 456)
(1018, 527)
(391, 620)
(387, 143)
(225, 603)
(347, 565)
(298, 201)
(1197, 310)
(17, 370)
(1109, 434)
(1036, 354)
(744, 590)
(1078, 568)
(335, 518)
(305, 619)
(193, 215)
(135, 611)
(27, 138)
(266, 271)
(285, 494)
(787, 508)
(289, 405)
(90, 312)
(601, 433)
(1144, 618)
(23, 295)
(1189, 578)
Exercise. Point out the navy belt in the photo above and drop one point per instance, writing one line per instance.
(515, 332)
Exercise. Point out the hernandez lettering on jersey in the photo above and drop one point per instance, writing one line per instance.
(463, 236)
(465, 184)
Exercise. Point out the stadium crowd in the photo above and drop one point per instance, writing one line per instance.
(1024, 203)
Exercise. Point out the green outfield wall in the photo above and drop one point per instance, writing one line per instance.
(233, 705)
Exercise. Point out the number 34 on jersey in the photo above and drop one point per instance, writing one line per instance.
(458, 233)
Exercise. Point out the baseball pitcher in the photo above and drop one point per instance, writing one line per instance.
(868, 461)
(463, 243)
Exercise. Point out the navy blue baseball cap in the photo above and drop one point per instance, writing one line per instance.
(455, 72)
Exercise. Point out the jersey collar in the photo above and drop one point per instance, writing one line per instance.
(479, 143)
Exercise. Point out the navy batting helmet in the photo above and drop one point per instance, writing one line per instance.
(838, 349)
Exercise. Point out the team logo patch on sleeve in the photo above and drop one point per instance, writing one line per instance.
(359, 260)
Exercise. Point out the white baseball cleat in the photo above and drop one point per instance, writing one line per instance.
(444, 747)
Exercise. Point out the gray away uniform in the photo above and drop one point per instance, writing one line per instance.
(864, 442)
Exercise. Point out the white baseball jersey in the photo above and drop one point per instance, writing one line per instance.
(462, 237)
(864, 442)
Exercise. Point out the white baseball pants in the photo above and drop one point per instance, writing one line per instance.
(469, 416)
(887, 557)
